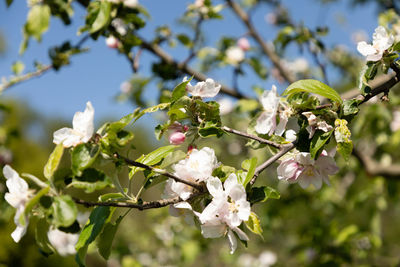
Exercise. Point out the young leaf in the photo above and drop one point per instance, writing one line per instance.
(315, 87)
(64, 211)
(103, 17)
(106, 238)
(82, 157)
(91, 180)
(253, 224)
(38, 21)
(18, 67)
(42, 227)
(345, 149)
(92, 229)
(180, 90)
(250, 166)
(262, 194)
(53, 161)
(152, 158)
(318, 141)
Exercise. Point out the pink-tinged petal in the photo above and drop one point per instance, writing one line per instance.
(303, 180)
(304, 158)
(365, 49)
(287, 169)
(316, 181)
(327, 165)
(213, 230)
(177, 138)
(232, 241)
(243, 43)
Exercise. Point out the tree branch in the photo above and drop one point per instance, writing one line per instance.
(373, 168)
(158, 51)
(142, 206)
(275, 59)
(160, 171)
(254, 137)
(285, 149)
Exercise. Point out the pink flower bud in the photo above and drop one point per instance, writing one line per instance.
(177, 138)
(112, 42)
(243, 43)
(185, 128)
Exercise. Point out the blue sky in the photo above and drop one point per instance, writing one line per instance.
(97, 75)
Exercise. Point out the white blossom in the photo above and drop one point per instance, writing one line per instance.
(266, 123)
(290, 135)
(120, 26)
(208, 88)
(63, 242)
(17, 196)
(301, 168)
(225, 106)
(315, 123)
(196, 168)
(234, 55)
(82, 129)
(227, 210)
(112, 42)
(380, 43)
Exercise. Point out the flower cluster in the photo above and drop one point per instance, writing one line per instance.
(300, 167)
(227, 210)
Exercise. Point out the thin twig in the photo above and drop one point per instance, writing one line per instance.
(285, 149)
(275, 59)
(192, 52)
(158, 51)
(254, 137)
(160, 171)
(142, 206)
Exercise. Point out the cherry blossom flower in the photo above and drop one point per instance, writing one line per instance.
(208, 88)
(112, 42)
(301, 168)
(243, 43)
(273, 105)
(315, 123)
(63, 242)
(228, 209)
(234, 55)
(197, 167)
(82, 129)
(380, 43)
(17, 196)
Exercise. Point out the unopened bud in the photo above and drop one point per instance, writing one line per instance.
(243, 43)
(177, 138)
(112, 42)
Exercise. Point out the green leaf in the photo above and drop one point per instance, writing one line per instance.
(38, 21)
(112, 196)
(53, 161)
(92, 229)
(262, 194)
(253, 224)
(396, 47)
(64, 211)
(82, 157)
(210, 129)
(106, 238)
(350, 107)
(318, 141)
(315, 87)
(103, 17)
(184, 39)
(91, 180)
(18, 67)
(346, 233)
(172, 158)
(250, 166)
(345, 149)
(31, 203)
(152, 158)
(223, 171)
(42, 227)
(180, 90)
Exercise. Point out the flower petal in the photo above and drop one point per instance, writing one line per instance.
(83, 122)
(232, 241)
